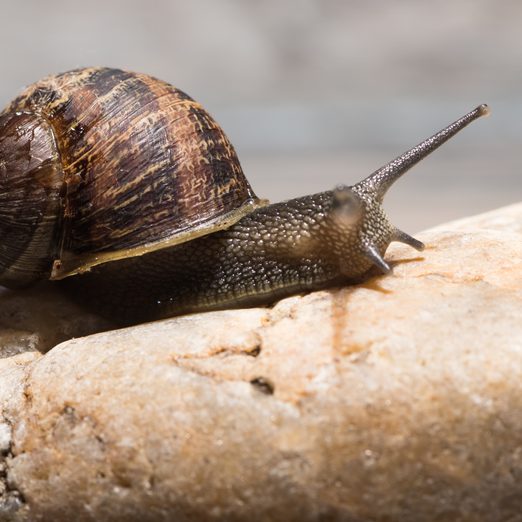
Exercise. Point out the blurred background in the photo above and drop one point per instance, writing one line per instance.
(313, 93)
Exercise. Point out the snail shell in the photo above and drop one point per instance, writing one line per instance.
(100, 164)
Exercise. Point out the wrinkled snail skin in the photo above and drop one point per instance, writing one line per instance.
(284, 248)
(125, 191)
(303, 244)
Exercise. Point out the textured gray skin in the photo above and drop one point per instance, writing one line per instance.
(299, 245)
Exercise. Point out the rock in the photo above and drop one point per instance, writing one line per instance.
(13, 373)
(38, 318)
(399, 399)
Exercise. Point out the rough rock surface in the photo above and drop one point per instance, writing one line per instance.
(395, 400)
(38, 318)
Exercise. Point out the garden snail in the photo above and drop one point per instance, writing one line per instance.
(126, 190)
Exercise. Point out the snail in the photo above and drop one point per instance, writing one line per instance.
(126, 192)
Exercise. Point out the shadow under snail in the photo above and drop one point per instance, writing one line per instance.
(124, 190)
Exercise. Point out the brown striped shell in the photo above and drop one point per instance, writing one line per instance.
(144, 166)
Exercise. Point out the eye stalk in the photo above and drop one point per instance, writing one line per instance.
(378, 183)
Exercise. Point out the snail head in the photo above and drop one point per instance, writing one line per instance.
(356, 211)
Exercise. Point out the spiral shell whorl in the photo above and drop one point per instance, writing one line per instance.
(31, 182)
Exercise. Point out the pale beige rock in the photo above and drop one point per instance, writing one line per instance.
(396, 400)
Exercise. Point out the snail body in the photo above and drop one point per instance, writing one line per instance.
(124, 189)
